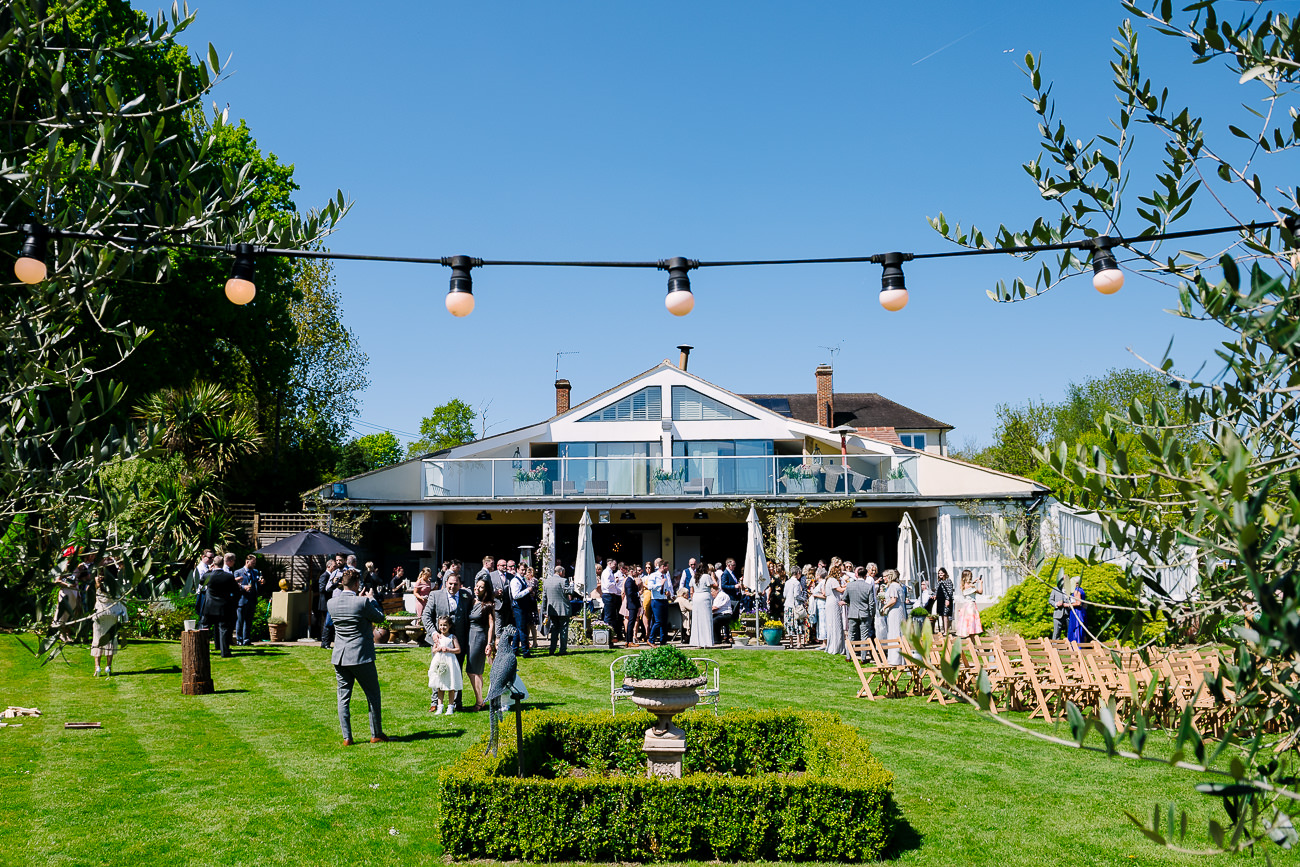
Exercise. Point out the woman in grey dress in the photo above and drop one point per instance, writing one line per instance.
(895, 602)
(834, 589)
(482, 635)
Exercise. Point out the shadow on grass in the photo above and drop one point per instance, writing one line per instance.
(171, 669)
(906, 838)
(258, 651)
(397, 649)
(227, 691)
(426, 736)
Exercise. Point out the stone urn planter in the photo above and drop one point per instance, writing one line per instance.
(664, 742)
(397, 627)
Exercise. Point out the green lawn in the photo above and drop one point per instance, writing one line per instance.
(255, 774)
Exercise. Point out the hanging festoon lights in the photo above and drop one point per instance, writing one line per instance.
(30, 265)
(460, 295)
(893, 289)
(680, 300)
(240, 288)
(1107, 278)
(31, 268)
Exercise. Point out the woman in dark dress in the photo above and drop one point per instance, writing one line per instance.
(632, 602)
(482, 638)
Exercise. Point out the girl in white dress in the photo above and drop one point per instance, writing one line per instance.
(444, 673)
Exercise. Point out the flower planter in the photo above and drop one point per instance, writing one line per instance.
(668, 487)
(773, 635)
(600, 637)
(279, 631)
(665, 698)
(801, 486)
(381, 636)
(530, 489)
(896, 486)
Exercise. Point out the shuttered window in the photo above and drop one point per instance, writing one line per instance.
(644, 405)
(690, 405)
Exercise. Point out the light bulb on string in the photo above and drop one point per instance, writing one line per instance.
(460, 293)
(893, 288)
(680, 299)
(30, 266)
(1107, 278)
(240, 288)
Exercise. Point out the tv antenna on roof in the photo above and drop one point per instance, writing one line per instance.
(557, 360)
(833, 350)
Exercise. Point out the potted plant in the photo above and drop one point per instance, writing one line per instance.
(773, 632)
(278, 627)
(897, 482)
(600, 633)
(663, 681)
(530, 482)
(381, 634)
(668, 483)
(800, 478)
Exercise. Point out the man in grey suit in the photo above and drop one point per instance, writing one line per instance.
(354, 654)
(556, 599)
(860, 600)
(1060, 601)
(455, 602)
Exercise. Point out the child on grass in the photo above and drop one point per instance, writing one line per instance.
(444, 672)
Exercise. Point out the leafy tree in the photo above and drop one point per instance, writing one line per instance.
(1225, 477)
(380, 449)
(370, 452)
(450, 424)
(97, 140)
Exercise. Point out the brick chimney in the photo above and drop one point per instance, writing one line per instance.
(562, 389)
(825, 396)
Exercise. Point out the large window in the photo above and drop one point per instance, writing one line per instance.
(690, 405)
(733, 466)
(644, 405)
(614, 468)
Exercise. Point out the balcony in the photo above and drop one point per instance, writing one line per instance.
(635, 477)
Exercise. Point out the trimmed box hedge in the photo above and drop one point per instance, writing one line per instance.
(756, 785)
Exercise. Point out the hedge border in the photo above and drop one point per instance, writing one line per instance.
(809, 789)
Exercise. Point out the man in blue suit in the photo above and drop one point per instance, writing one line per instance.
(354, 654)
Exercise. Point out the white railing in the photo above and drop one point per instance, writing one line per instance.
(770, 475)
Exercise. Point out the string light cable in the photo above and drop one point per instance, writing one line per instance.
(31, 265)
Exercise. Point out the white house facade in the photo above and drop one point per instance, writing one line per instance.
(668, 464)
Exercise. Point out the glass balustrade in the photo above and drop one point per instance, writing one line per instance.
(721, 476)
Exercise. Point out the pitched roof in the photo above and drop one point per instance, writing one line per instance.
(856, 409)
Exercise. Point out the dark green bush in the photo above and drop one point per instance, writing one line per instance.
(664, 662)
(758, 785)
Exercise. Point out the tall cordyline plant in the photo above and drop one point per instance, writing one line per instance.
(1230, 490)
(97, 138)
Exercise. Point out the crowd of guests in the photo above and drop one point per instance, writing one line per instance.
(653, 605)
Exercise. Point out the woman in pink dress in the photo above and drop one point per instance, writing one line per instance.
(423, 587)
(968, 614)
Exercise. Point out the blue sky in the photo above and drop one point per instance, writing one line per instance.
(602, 131)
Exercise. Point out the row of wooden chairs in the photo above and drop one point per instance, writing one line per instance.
(1040, 676)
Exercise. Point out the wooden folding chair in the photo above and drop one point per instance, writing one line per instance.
(867, 671)
(890, 675)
